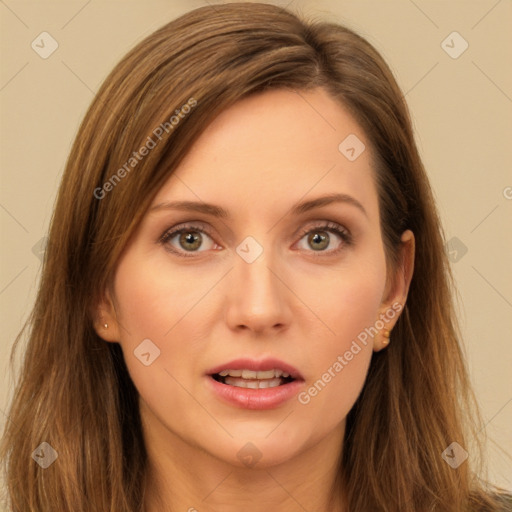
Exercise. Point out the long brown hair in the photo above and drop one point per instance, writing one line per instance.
(74, 391)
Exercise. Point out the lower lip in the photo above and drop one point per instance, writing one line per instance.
(246, 398)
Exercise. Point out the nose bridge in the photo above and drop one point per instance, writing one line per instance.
(258, 298)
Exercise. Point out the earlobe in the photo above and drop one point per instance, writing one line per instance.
(396, 295)
(106, 324)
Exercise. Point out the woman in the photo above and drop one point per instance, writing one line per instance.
(245, 299)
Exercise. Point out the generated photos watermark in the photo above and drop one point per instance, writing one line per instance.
(343, 360)
(151, 142)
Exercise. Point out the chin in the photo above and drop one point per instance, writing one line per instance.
(261, 451)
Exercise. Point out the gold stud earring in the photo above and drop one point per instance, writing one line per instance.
(106, 326)
(386, 339)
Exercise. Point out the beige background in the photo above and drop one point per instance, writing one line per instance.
(462, 115)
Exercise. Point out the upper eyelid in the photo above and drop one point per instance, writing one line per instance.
(204, 226)
(327, 224)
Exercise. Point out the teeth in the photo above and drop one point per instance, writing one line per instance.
(250, 374)
(252, 384)
(269, 374)
(233, 373)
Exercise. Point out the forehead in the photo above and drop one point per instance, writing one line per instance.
(276, 148)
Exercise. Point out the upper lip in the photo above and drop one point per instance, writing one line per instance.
(257, 365)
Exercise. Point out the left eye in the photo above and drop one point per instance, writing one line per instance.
(318, 237)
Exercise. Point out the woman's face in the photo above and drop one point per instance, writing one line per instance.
(204, 316)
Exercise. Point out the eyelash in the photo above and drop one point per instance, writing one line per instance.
(343, 233)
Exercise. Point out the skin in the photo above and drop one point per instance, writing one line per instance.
(256, 160)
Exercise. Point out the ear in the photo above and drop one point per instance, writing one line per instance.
(397, 288)
(106, 324)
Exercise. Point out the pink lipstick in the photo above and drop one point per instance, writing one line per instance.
(252, 384)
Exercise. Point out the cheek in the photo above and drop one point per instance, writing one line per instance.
(341, 356)
(344, 303)
(152, 306)
(148, 303)
(162, 307)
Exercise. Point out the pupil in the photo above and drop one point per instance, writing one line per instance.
(188, 238)
(320, 238)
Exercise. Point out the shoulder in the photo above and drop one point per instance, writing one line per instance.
(491, 501)
(504, 502)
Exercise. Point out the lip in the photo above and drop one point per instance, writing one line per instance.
(255, 399)
(252, 364)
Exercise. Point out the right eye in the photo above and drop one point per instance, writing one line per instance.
(185, 238)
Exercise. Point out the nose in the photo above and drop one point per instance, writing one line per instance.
(258, 297)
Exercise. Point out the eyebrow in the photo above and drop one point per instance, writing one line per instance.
(300, 208)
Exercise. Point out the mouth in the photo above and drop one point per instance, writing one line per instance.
(253, 384)
(252, 379)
